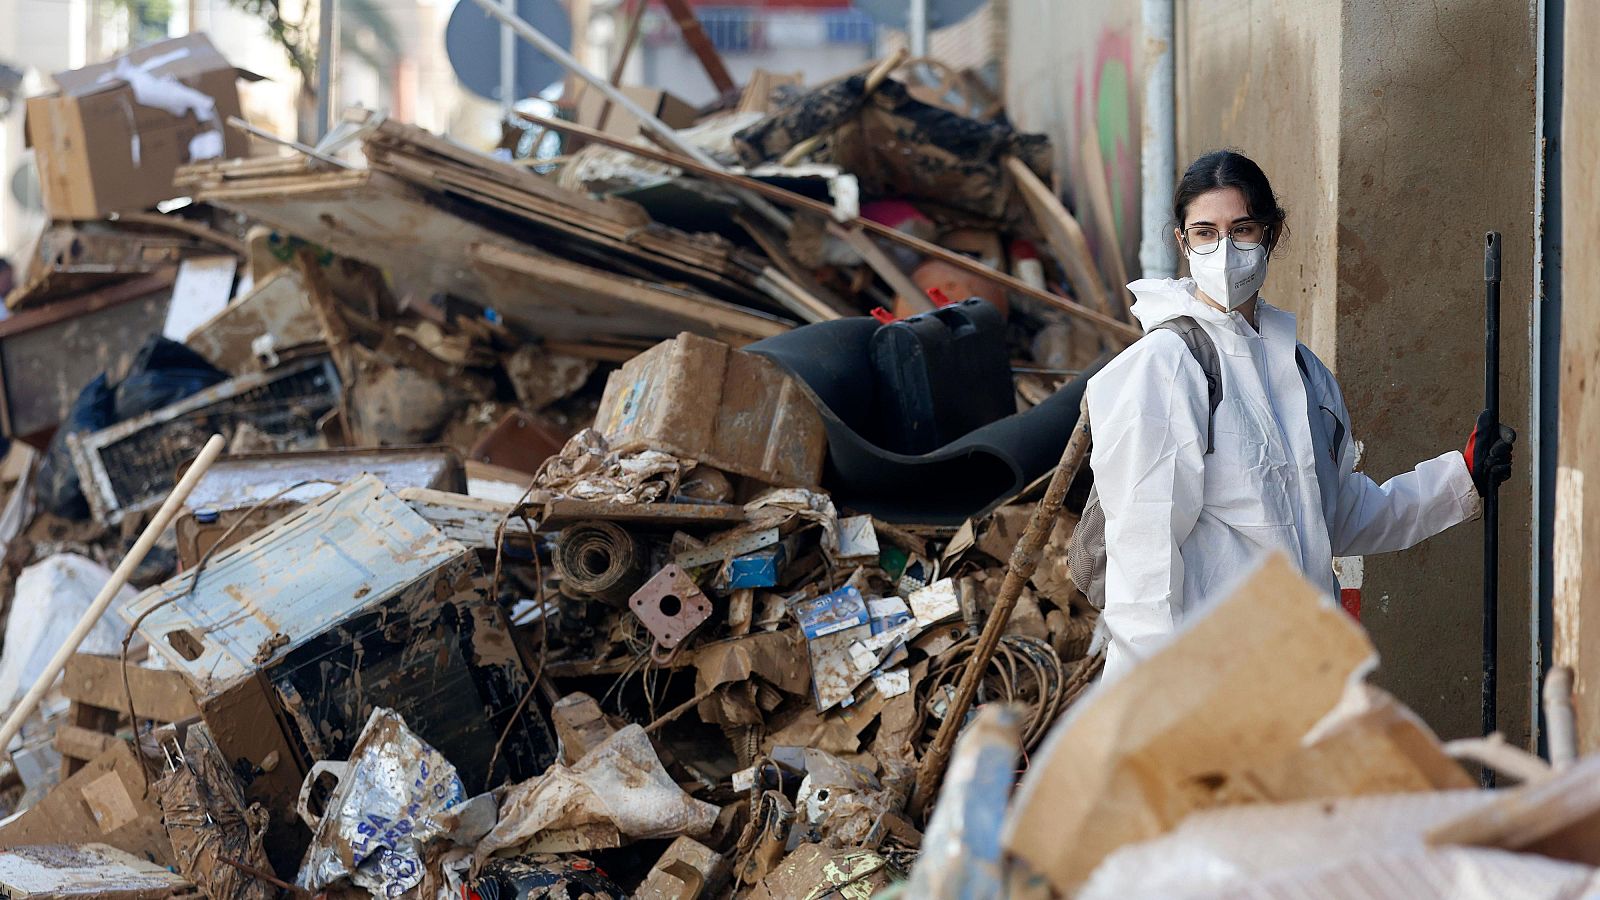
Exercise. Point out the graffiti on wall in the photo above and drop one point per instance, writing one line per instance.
(1105, 99)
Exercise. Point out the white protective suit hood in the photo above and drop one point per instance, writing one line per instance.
(1183, 524)
(1158, 300)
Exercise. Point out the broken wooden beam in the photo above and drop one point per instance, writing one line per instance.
(1119, 332)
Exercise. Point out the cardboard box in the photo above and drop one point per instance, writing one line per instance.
(623, 124)
(700, 399)
(113, 135)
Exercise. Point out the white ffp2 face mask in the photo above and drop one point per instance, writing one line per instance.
(1229, 275)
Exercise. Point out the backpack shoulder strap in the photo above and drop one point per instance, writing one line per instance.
(1204, 351)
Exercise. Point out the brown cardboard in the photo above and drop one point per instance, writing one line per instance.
(84, 136)
(696, 398)
(623, 124)
(1233, 695)
(105, 802)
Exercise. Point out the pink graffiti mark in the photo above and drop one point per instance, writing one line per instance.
(1104, 96)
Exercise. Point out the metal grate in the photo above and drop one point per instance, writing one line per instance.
(132, 465)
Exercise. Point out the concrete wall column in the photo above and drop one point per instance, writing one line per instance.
(1577, 523)
(1396, 134)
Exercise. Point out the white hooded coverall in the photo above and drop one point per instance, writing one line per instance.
(1181, 524)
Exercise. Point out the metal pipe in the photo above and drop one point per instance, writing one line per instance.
(1158, 153)
(508, 63)
(1491, 497)
(917, 28)
(327, 13)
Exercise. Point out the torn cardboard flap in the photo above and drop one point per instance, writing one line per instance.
(114, 136)
(1234, 692)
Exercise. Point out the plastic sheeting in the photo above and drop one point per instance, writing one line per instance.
(50, 598)
(616, 793)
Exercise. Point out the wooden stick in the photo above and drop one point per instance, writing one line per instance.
(1119, 332)
(635, 19)
(1024, 561)
(1062, 232)
(1105, 220)
(886, 268)
(695, 36)
(86, 622)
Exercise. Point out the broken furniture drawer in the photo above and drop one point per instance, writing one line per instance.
(700, 399)
(347, 604)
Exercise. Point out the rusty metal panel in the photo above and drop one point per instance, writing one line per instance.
(290, 582)
(48, 354)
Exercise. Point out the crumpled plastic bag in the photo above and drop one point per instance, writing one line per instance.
(616, 793)
(382, 812)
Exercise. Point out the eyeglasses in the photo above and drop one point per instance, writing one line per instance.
(1203, 239)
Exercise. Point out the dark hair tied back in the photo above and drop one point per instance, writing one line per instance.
(1224, 169)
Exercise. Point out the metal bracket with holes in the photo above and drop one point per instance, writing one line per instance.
(671, 606)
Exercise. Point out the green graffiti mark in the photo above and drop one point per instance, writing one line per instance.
(1112, 119)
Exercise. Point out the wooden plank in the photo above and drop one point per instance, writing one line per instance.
(725, 318)
(81, 744)
(1105, 220)
(695, 36)
(470, 520)
(1063, 232)
(383, 221)
(1119, 332)
(160, 694)
(86, 718)
(564, 512)
(104, 803)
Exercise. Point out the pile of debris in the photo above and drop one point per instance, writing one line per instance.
(592, 523)
(1249, 757)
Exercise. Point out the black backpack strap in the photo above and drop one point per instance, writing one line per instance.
(1204, 351)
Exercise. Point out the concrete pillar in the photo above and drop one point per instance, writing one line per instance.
(1577, 523)
(1396, 135)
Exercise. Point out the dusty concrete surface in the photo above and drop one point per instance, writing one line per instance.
(1577, 536)
(1263, 79)
(1437, 113)
(1396, 136)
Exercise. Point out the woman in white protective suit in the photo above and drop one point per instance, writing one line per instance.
(1193, 495)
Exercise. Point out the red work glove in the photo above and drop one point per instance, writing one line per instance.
(1488, 453)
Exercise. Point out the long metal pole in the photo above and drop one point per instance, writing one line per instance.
(917, 28)
(1491, 498)
(327, 11)
(508, 64)
(86, 622)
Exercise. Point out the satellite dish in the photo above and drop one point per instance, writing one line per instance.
(472, 42)
(896, 13)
